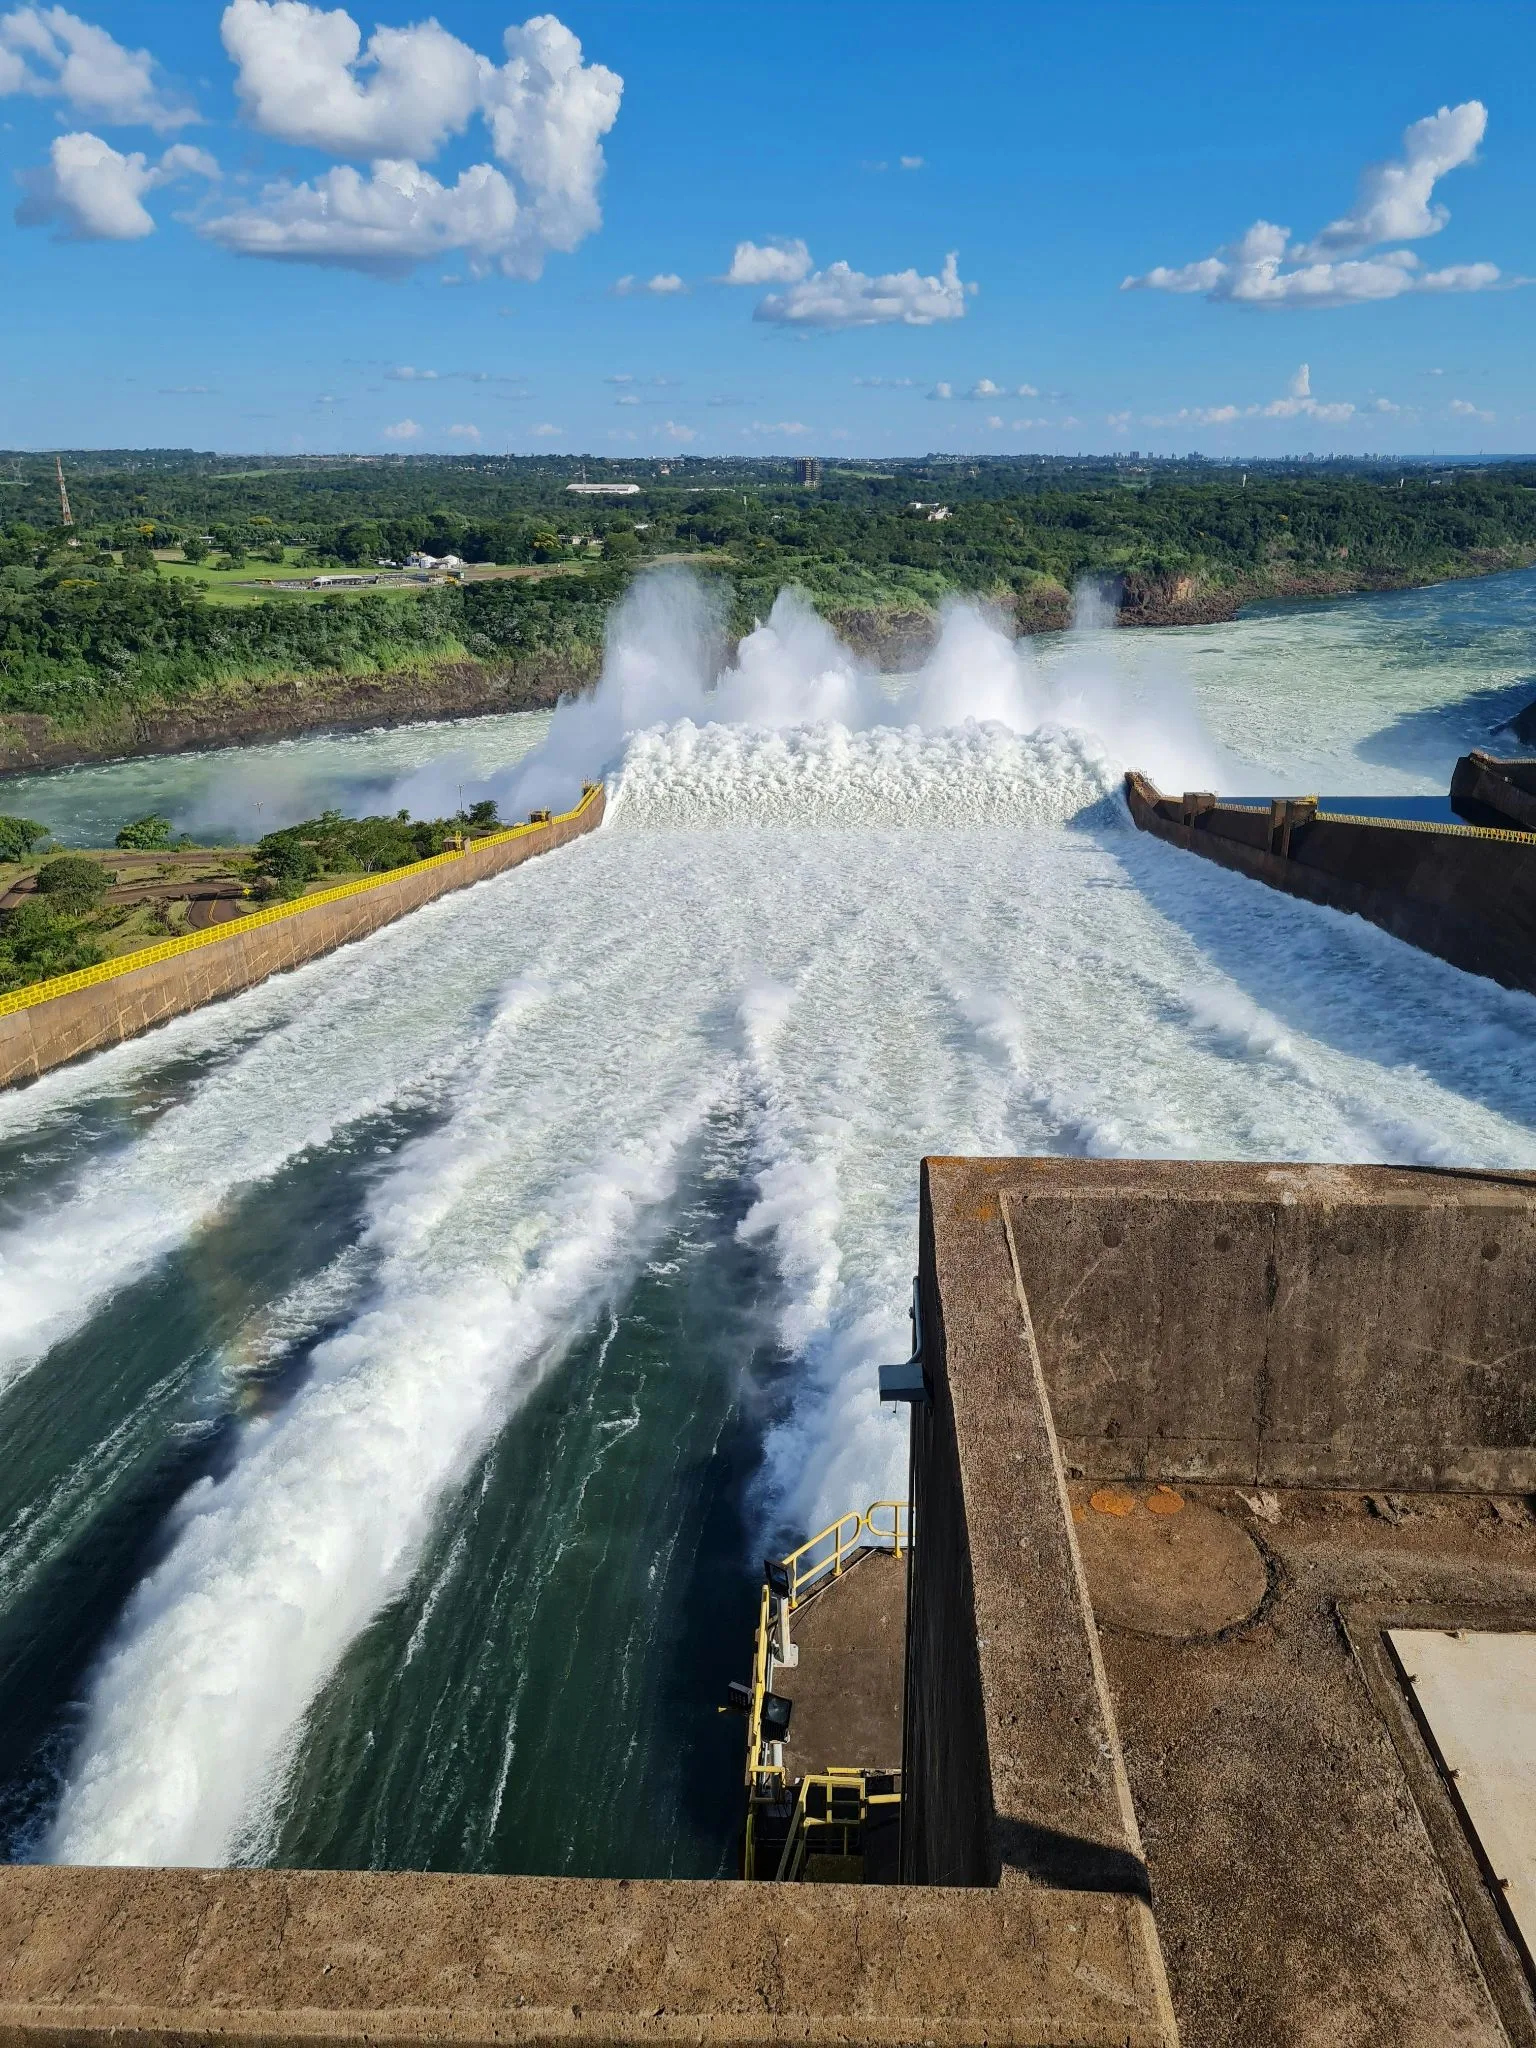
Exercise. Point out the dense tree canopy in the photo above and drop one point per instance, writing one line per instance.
(99, 625)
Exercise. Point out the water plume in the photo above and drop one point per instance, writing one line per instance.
(792, 675)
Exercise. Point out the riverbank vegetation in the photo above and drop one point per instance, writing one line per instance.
(66, 911)
(155, 598)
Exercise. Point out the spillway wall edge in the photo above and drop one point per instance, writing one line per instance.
(85, 1020)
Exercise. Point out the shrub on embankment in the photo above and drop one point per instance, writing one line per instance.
(332, 846)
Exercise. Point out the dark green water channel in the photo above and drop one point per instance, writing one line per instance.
(542, 1695)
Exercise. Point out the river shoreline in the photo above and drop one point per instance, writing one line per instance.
(298, 707)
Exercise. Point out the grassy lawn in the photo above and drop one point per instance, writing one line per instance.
(232, 586)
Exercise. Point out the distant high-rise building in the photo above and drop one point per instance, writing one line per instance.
(808, 471)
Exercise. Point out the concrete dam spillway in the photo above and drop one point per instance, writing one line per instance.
(407, 1363)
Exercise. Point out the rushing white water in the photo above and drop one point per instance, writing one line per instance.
(866, 931)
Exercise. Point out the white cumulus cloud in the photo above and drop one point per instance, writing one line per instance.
(52, 54)
(1264, 267)
(1393, 201)
(403, 430)
(305, 76)
(1464, 409)
(302, 75)
(91, 192)
(407, 373)
(385, 222)
(465, 431)
(546, 430)
(911, 163)
(840, 297)
(775, 262)
(548, 113)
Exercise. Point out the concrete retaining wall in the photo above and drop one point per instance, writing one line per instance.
(66, 1026)
(1012, 1772)
(1464, 893)
(1351, 1327)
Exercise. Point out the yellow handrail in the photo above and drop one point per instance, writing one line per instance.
(849, 1537)
(851, 1780)
(830, 1552)
(169, 949)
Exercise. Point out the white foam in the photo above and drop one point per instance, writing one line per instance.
(276, 1568)
(722, 775)
(662, 677)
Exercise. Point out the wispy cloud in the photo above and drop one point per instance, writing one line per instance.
(1296, 403)
(49, 53)
(1265, 267)
(665, 284)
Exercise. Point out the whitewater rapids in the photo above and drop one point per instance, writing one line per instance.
(850, 930)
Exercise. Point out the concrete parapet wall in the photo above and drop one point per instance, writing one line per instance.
(1326, 1331)
(1012, 1770)
(121, 1004)
(287, 1957)
(1285, 1325)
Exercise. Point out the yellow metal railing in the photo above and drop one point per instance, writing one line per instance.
(170, 949)
(884, 1525)
(827, 1556)
(845, 1798)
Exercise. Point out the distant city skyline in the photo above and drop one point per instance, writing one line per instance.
(828, 229)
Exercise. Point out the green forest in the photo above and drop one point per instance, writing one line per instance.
(105, 615)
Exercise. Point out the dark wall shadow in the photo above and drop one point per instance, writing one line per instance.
(1423, 741)
(1334, 978)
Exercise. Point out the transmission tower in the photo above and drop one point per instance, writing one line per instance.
(66, 517)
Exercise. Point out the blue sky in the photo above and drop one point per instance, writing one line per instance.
(247, 241)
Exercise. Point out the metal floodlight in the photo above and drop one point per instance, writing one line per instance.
(776, 1713)
(738, 1697)
(777, 1575)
